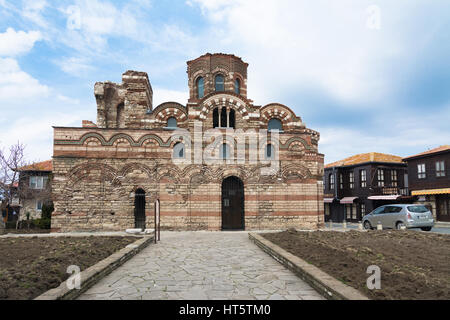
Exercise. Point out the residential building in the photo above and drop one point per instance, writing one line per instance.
(34, 189)
(358, 184)
(429, 180)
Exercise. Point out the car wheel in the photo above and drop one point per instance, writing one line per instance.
(367, 225)
(426, 228)
(399, 225)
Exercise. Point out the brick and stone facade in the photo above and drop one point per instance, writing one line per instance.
(98, 168)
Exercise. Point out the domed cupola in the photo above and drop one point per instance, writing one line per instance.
(216, 73)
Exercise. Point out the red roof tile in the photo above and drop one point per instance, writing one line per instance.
(435, 150)
(39, 166)
(366, 157)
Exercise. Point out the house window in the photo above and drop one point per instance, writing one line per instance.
(363, 178)
(362, 207)
(440, 169)
(380, 177)
(38, 182)
(39, 205)
(349, 212)
(274, 124)
(220, 83)
(200, 87)
(341, 181)
(327, 209)
(178, 150)
(421, 173)
(172, 122)
(351, 178)
(237, 86)
(394, 178)
(331, 181)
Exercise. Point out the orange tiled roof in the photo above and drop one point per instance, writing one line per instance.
(438, 149)
(366, 157)
(39, 166)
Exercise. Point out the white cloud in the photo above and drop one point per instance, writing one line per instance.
(17, 86)
(322, 44)
(67, 99)
(98, 18)
(36, 134)
(75, 65)
(14, 43)
(33, 9)
(163, 95)
(404, 135)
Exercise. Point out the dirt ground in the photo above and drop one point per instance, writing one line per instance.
(24, 231)
(414, 265)
(31, 266)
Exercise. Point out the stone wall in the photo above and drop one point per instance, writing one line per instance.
(98, 167)
(98, 194)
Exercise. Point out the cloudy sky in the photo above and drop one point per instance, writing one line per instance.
(369, 75)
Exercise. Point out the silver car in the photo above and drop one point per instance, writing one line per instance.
(397, 215)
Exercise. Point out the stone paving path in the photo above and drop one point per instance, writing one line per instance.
(202, 265)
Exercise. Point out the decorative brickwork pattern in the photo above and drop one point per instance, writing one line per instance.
(98, 167)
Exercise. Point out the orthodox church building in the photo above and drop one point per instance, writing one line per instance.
(217, 163)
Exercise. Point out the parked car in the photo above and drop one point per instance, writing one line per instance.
(398, 215)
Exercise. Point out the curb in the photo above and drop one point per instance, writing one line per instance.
(95, 273)
(440, 224)
(325, 284)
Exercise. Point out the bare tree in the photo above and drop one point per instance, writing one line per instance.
(10, 162)
(15, 181)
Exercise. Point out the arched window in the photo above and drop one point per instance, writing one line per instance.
(270, 151)
(120, 116)
(172, 122)
(200, 88)
(220, 83)
(224, 151)
(223, 118)
(237, 86)
(232, 116)
(178, 150)
(216, 118)
(274, 124)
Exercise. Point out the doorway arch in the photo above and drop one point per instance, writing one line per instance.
(139, 209)
(233, 204)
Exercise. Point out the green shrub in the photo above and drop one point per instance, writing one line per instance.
(10, 225)
(42, 223)
(47, 209)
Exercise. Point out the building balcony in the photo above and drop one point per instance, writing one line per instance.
(390, 191)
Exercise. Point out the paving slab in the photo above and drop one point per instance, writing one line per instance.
(202, 265)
